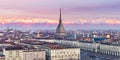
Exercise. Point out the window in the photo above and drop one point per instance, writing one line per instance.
(17, 53)
(10, 53)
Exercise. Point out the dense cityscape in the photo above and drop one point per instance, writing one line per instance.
(59, 44)
(59, 30)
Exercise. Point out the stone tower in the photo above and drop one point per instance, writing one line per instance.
(60, 31)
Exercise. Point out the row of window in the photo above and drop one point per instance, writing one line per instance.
(11, 53)
(63, 56)
(66, 52)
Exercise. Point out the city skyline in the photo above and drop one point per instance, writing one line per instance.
(87, 14)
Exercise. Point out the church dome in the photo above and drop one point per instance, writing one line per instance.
(60, 28)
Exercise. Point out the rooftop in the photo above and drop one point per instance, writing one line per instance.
(16, 47)
(49, 45)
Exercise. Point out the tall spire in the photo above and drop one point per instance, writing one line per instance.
(60, 20)
(60, 31)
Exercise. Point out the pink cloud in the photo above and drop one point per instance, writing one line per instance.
(55, 21)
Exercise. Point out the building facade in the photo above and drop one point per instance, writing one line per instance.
(34, 55)
(94, 47)
(24, 54)
(55, 51)
(13, 54)
(65, 54)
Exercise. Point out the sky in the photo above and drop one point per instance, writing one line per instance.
(80, 14)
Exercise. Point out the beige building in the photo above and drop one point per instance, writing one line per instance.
(18, 53)
(13, 54)
(64, 54)
(59, 52)
(55, 51)
(34, 55)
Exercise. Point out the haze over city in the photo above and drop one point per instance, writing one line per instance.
(59, 30)
(80, 14)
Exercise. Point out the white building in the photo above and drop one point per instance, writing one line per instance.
(95, 47)
(18, 53)
(64, 54)
(55, 51)
(13, 54)
(34, 55)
